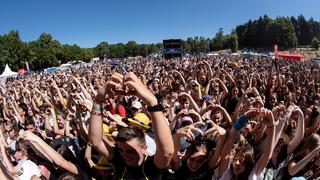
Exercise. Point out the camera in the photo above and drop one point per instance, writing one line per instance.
(199, 139)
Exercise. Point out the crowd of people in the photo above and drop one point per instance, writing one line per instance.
(216, 118)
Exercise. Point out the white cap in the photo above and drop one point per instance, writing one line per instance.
(136, 104)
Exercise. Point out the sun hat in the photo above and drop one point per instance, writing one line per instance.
(140, 119)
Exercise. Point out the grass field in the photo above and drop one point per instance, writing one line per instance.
(309, 53)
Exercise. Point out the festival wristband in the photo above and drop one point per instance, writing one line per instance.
(96, 107)
(241, 122)
(97, 113)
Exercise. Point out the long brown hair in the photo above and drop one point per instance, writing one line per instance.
(249, 160)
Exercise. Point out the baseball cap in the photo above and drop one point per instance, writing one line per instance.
(136, 104)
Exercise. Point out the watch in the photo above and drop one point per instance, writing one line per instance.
(155, 108)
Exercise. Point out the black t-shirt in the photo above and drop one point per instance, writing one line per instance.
(147, 170)
(232, 104)
(204, 173)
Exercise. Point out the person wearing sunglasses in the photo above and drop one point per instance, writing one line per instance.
(129, 157)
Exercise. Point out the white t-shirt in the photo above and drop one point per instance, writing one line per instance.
(28, 169)
(151, 145)
(227, 175)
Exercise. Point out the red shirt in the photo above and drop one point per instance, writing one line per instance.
(121, 110)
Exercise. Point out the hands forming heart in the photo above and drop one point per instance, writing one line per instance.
(128, 84)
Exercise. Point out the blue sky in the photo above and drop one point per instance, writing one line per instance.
(88, 23)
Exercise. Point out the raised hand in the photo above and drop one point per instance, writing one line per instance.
(252, 112)
(279, 111)
(28, 135)
(111, 88)
(267, 116)
(136, 87)
(189, 131)
(215, 131)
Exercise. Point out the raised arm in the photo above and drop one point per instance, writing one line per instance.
(282, 119)
(223, 111)
(295, 167)
(228, 145)
(9, 166)
(231, 80)
(45, 97)
(219, 137)
(56, 128)
(53, 155)
(88, 155)
(224, 88)
(193, 103)
(267, 144)
(83, 89)
(15, 109)
(95, 123)
(163, 136)
(185, 132)
(209, 69)
(62, 101)
(195, 89)
(299, 133)
(180, 76)
(34, 106)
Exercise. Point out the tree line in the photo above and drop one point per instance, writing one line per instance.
(287, 32)
(47, 52)
(220, 41)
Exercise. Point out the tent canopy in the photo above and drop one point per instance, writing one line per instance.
(294, 57)
(8, 73)
(212, 54)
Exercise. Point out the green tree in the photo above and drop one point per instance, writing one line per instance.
(231, 42)
(131, 48)
(45, 52)
(281, 32)
(12, 50)
(315, 43)
(88, 53)
(117, 50)
(218, 40)
(102, 50)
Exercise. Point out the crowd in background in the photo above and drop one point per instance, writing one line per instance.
(221, 117)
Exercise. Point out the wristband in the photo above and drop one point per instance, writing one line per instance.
(96, 107)
(241, 122)
(97, 113)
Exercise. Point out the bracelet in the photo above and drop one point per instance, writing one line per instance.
(96, 113)
(96, 107)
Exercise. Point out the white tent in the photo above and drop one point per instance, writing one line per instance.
(210, 54)
(8, 73)
(234, 54)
